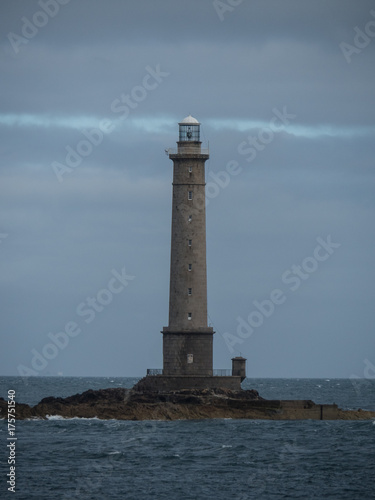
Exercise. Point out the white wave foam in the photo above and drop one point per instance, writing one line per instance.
(59, 417)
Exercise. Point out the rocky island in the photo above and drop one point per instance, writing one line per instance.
(130, 404)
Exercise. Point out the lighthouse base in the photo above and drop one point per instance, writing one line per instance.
(167, 383)
(187, 352)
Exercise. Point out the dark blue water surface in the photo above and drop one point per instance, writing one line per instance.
(210, 459)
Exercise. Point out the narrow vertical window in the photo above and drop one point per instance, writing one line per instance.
(189, 243)
(190, 218)
(190, 195)
(189, 316)
(190, 169)
(190, 267)
(189, 291)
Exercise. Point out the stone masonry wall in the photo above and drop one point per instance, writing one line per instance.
(188, 273)
(187, 354)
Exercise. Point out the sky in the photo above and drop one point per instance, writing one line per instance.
(91, 96)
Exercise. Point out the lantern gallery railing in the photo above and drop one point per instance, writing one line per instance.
(222, 372)
(216, 373)
(154, 371)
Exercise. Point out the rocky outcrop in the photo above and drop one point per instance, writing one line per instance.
(128, 404)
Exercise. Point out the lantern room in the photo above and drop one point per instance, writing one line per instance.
(189, 129)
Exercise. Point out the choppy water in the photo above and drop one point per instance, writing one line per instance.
(213, 459)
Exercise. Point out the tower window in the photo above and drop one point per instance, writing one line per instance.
(190, 267)
(190, 195)
(189, 291)
(190, 169)
(189, 316)
(190, 242)
(190, 218)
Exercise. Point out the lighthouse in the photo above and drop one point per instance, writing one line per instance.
(188, 340)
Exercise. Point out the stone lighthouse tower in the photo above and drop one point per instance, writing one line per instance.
(187, 340)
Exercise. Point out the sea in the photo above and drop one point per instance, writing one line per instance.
(217, 459)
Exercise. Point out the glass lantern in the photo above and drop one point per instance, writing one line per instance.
(189, 129)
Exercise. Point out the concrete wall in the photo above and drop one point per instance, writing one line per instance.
(161, 383)
(290, 409)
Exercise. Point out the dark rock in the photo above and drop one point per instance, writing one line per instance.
(127, 404)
